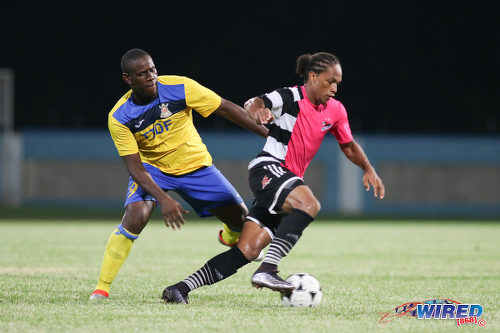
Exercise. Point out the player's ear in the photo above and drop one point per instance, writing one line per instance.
(126, 78)
(312, 77)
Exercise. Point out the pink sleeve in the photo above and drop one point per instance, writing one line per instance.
(341, 128)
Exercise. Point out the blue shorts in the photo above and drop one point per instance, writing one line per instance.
(203, 189)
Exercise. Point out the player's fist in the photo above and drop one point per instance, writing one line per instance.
(258, 112)
(263, 116)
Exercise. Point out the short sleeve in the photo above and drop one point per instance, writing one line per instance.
(123, 138)
(201, 99)
(279, 100)
(341, 128)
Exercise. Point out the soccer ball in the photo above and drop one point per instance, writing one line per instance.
(307, 291)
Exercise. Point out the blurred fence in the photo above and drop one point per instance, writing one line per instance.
(424, 175)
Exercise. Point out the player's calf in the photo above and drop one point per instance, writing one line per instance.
(229, 237)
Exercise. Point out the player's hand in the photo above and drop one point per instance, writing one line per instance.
(172, 214)
(371, 178)
(263, 116)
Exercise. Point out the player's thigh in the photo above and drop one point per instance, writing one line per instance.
(233, 215)
(253, 239)
(137, 215)
(208, 191)
(163, 180)
(302, 198)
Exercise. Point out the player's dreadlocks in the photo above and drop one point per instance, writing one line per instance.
(131, 56)
(316, 63)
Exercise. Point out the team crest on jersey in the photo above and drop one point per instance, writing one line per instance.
(265, 181)
(165, 112)
(325, 126)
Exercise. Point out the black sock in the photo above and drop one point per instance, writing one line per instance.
(287, 235)
(183, 287)
(269, 268)
(216, 269)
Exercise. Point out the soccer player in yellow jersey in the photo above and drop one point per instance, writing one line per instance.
(152, 128)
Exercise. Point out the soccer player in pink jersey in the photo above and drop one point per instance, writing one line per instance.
(298, 118)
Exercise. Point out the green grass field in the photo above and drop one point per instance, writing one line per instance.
(48, 270)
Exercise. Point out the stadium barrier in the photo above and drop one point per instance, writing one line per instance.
(424, 175)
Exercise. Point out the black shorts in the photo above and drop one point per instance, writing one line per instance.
(270, 183)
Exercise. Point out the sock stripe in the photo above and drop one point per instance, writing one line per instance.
(205, 275)
(216, 269)
(278, 249)
(271, 261)
(200, 278)
(125, 233)
(287, 234)
(189, 284)
(283, 245)
(192, 282)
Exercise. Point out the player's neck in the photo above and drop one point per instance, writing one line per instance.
(142, 100)
(310, 95)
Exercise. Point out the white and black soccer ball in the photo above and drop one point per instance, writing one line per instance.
(307, 291)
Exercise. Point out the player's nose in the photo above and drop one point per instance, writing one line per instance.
(333, 88)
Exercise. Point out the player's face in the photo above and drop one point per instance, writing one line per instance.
(143, 77)
(324, 86)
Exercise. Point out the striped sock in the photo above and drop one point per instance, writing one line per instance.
(218, 268)
(278, 249)
(287, 235)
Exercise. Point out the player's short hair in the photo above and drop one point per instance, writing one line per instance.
(130, 56)
(317, 63)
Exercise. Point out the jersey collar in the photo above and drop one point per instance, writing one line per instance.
(318, 108)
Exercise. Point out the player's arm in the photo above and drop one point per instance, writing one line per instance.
(171, 210)
(355, 154)
(206, 102)
(257, 110)
(237, 115)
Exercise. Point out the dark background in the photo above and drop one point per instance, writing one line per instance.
(409, 66)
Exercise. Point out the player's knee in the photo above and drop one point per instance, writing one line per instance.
(315, 207)
(253, 254)
(310, 205)
(250, 252)
(136, 218)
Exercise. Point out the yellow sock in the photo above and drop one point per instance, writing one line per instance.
(230, 236)
(117, 250)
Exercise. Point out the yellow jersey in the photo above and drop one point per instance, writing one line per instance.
(162, 132)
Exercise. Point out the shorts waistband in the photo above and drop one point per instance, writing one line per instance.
(186, 174)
